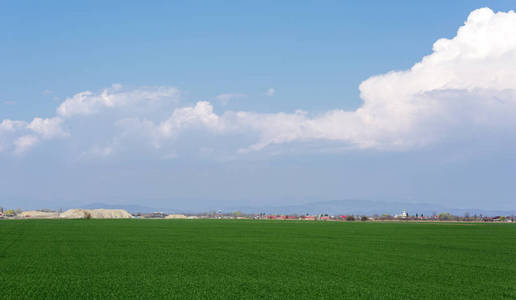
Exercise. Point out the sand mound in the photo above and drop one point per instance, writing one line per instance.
(176, 216)
(36, 214)
(96, 214)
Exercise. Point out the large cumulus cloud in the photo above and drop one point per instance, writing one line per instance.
(467, 81)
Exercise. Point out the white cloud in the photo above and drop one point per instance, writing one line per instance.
(270, 92)
(200, 116)
(48, 128)
(11, 125)
(21, 136)
(87, 103)
(226, 98)
(23, 143)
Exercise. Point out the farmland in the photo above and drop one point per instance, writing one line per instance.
(230, 259)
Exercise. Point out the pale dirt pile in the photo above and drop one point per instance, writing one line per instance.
(75, 213)
(176, 216)
(35, 214)
(96, 214)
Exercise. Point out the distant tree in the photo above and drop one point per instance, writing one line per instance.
(237, 214)
(445, 216)
(363, 218)
(385, 217)
(503, 218)
(350, 218)
(87, 215)
(18, 211)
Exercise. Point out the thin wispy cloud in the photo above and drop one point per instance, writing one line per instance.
(227, 97)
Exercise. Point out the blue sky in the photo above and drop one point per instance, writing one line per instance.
(307, 50)
(223, 69)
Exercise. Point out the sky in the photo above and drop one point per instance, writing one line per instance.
(207, 104)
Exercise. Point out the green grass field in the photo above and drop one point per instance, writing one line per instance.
(187, 259)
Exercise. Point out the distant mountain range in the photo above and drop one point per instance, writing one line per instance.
(356, 207)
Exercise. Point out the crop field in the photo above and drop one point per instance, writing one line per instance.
(225, 259)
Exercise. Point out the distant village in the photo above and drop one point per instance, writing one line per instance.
(122, 214)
